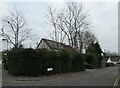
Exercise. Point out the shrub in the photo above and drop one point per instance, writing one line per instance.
(48, 59)
(14, 60)
(94, 59)
(89, 58)
(55, 62)
(5, 59)
(77, 62)
(23, 62)
(99, 60)
(30, 62)
(43, 60)
(66, 61)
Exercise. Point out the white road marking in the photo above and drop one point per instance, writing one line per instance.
(116, 82)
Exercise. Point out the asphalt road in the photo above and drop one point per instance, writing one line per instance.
(0, 75)
(96, 77)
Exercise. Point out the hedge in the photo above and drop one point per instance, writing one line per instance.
(48, 59)
(78, 62)
(94, 59)
(31, 62)
(99, 60)
(23, 62)
(55, 62)
(66, 61)
(90, 59)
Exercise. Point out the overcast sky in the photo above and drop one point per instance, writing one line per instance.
(103, 15)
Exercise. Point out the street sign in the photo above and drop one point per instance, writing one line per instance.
(49, 69)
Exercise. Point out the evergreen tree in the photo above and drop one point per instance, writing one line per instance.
(95, 50)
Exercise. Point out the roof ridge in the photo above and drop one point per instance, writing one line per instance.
(54, 41)
(58, 44)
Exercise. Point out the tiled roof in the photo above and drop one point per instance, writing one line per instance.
(53, 44)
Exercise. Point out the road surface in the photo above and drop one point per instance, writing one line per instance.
(96, 77)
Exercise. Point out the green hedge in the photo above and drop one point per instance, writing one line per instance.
(43, 60)
(30, 62)
(94, 59)
(90, 59)
(48, 59)
(66, 61)
(55, 62)
(23, 62)
(99, 60)
(78, 62)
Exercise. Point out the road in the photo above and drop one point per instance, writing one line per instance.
(96, 77)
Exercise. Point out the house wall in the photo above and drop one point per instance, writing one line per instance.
(114, 58)
(43, 45)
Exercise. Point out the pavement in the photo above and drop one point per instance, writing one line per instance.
(96, 77)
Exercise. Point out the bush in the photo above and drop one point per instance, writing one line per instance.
(94, 59)
(77, 62)
(65, 61)
(89, 58)
(43, 60)
(30, 62)
(55, 62)
(5, 59)
(88, 66)
(99, 60)
(23, 62)
(48, 59)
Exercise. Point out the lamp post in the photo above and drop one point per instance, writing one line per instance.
(5, 40)
(2, 34)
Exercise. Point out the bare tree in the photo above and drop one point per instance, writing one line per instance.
(71, 24)
(53, 20)
(85, 39)
(15, 28)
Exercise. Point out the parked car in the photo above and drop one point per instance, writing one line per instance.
(88, 66)
(118, 63)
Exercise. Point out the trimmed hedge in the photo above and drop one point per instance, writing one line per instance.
(48, 59)
(55, 62)
(90, 59)
(23, 62)
(66, 61)
(99, 60)
(94, 59)
(30, 62)
(78, 62)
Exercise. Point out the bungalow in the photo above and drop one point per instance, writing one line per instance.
(52, 45)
